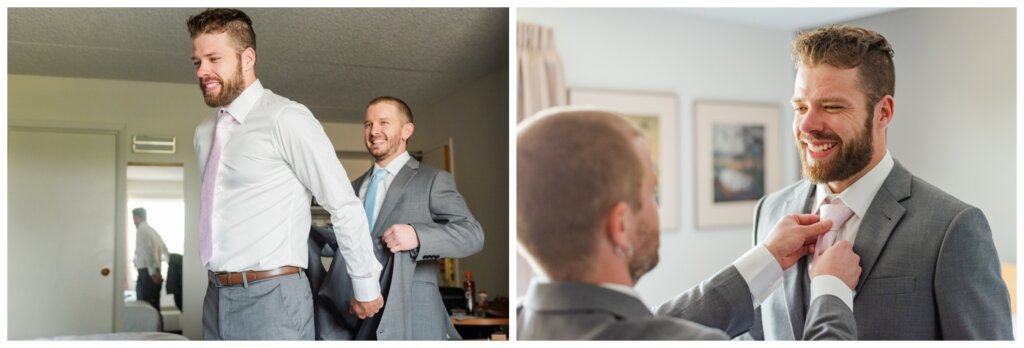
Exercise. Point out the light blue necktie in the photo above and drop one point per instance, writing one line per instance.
(370, 199)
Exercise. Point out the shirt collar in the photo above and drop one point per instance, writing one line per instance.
(623, 289)
(396, 164)
(859, 195)
(241, 106)
(630, 291)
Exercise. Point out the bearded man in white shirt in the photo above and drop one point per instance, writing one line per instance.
(263, 158)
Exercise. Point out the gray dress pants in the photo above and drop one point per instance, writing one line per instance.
(279, 308)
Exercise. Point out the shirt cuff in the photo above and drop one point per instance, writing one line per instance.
(761, 272)
(366, 289)
(830, 285)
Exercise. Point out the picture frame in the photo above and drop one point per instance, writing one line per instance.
(738, 160)
(656, 113)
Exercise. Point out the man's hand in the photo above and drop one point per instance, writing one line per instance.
(795, 236)
(840, 261)
(157, 279)
(401, 238)
(365, 310)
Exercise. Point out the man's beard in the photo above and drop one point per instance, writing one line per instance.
(229, 90)
(392, 148)
(645, 257)
(852, 157)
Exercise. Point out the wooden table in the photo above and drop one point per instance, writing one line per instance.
(481, 326)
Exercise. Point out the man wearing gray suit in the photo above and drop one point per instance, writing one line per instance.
(930, 269)
(587, 217)
(416, 217)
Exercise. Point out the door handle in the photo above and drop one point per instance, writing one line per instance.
(105, 271)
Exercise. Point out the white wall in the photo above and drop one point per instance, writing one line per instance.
(694, 58)
(142, 108)
(955, 122)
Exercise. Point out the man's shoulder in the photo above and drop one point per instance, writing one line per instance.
(277, 106)
(926, 194)
(597, 324)
(659, 328)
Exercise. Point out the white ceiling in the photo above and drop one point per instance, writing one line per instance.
(332, 60)
(791, 19)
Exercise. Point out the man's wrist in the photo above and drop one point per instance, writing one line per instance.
(365, 289)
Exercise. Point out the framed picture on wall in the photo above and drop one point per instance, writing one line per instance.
(655, 114)
(738, 160)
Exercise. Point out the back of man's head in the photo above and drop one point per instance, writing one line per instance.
(139, 213)
(572, 167)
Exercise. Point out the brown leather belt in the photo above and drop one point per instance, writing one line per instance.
(242, 278)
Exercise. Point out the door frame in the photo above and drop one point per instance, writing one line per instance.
(120, 187)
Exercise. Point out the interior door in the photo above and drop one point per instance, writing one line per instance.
(61, 227)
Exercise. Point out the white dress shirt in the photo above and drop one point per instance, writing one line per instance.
(763, 273)
(275, 158)
(150, 249)
(391, 170)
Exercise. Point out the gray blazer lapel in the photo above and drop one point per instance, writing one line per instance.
(796, 289)
(394, 194)
(881, 218)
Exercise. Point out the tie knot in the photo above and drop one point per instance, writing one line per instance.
(223, 117)
(837, 212)
(378, 174)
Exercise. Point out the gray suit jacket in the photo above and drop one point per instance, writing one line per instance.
(929, 267)
(425, 198)
(716, 309)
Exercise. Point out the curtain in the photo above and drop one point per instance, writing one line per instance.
(541, 81)
(541, 86)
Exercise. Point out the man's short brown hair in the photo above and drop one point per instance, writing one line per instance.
(847, 47)
(218, 20)
(572, 167)
(402, 106)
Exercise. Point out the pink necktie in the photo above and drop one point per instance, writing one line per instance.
(209, 184)
(838, 213)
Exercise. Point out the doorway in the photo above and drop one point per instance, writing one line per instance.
(159, 189)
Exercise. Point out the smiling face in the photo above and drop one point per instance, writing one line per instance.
(385, 131)
(219, 68)
(833, 125)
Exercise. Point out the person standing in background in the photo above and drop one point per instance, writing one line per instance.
(150, 252)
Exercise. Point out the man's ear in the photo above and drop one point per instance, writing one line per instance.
(248, 59)
(407, 131)
(884, 110)
(617, 223)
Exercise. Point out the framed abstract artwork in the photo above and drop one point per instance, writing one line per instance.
(738, 160)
